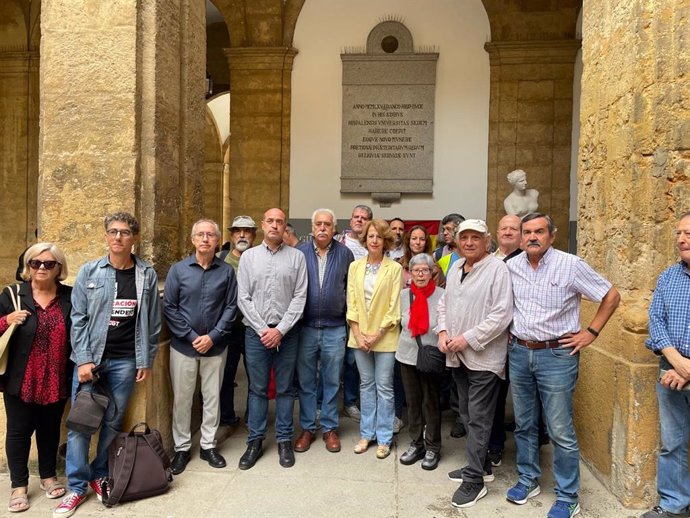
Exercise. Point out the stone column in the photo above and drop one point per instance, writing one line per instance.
(18, 161)
(122, 114)
(260, 87)
(530, 124)
(634, 170)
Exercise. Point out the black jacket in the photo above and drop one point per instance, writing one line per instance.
(23, 337)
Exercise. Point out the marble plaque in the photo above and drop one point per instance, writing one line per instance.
(388, 116)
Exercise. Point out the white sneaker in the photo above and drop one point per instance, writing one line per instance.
(397, 425)
(353, 413)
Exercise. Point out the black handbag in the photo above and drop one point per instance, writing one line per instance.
(88, 408)
(429, 359)
(138, 467)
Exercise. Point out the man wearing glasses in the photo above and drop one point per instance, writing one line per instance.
(199, 303)
(115, 326)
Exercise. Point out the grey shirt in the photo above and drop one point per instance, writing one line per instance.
(480, 309)
(407, 346)
(272, 287)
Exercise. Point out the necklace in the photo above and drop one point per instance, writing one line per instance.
(373, 268)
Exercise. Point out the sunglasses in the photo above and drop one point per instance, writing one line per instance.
(48, 265)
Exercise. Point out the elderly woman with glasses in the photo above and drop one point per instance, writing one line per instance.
(37, 379)
(418, 308)
(373, 313)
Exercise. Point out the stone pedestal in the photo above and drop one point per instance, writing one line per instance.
(530, 124)
(260, 85)
(634, 170)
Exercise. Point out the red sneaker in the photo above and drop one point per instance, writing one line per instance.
(96, 486)
(68, 505)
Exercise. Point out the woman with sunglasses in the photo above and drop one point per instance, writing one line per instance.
(37, 380)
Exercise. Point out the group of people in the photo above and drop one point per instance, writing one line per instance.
(336, 309)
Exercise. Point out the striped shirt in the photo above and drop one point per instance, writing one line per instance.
(546, 301)
(669, 313)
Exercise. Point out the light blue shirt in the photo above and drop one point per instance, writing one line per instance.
(669, 313)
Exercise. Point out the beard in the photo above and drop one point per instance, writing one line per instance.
(241, 245)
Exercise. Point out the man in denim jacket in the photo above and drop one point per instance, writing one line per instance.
(115, 326)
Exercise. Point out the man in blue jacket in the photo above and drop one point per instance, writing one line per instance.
(324, 333)
(115, 326)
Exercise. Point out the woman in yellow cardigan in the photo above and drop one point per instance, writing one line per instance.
(373, 312)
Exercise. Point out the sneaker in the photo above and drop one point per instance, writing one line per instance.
(563, 509)
(456, 475)
(68, 505)
(520, 493)
(496, 457)
(458, 430)
(659, 512)
(397, 425)
(97, 487)
(468, 494)
(353, 413)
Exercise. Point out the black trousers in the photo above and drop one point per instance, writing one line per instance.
(23, 419)
(227, 389)
(477, 394)
(423, 407)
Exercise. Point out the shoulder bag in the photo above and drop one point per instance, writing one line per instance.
(138, 467)
(429, 359)
(88, 408)
(5, 338)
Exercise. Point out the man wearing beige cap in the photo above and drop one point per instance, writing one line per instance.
(242, 236)
(473, 317)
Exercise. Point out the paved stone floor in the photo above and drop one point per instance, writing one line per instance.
(323, 484)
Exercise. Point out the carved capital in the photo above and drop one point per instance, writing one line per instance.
(528, 52)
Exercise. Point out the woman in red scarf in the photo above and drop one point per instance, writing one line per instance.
(421, 390)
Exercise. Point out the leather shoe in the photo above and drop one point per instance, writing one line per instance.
(214, 459)
(412, 455)
(431, 460)
(286, 456)
(304, 441)
(332, 441)
(179, 462)
(251, 455)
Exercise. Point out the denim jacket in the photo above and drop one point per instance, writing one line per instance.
(92, 305)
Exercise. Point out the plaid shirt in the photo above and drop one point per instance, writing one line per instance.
(669, 313)
(546, 301)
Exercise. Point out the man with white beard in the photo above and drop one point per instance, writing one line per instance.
(242, 236)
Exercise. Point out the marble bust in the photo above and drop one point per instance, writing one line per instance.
(522, 200)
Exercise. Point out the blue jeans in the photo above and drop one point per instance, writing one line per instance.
(259, 363)
(119, 376)
(673, 477)
(553, 374)
(376, 397)
(350, 379)
(329, 344)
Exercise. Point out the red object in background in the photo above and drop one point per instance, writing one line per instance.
(272, 385)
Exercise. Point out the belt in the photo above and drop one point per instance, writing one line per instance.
(531, 344)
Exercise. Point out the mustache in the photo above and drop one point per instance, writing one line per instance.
(533, 242)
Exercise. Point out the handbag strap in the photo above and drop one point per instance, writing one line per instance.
(120, 479)
(102, 387)
(15, 298)
(419, 341)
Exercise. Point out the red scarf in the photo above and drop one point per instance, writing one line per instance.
(419, 310)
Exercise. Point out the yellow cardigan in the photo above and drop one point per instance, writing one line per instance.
(385, 303)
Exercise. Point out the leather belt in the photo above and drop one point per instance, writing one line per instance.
(546, 344)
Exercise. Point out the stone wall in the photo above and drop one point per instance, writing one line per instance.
(634, 182)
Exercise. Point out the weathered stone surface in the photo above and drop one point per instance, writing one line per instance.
(633, 184)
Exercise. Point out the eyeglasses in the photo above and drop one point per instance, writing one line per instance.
(48, 265)
(113, 232)
(202, 235)
(420, 271)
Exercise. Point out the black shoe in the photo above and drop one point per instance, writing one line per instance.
(251, 455)
(214, 459)
(496, 457)
(468, 494)
(431, 460)
(412, 455)
(458, 474)
(286, 456)
(179, 462)
(458, 430)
